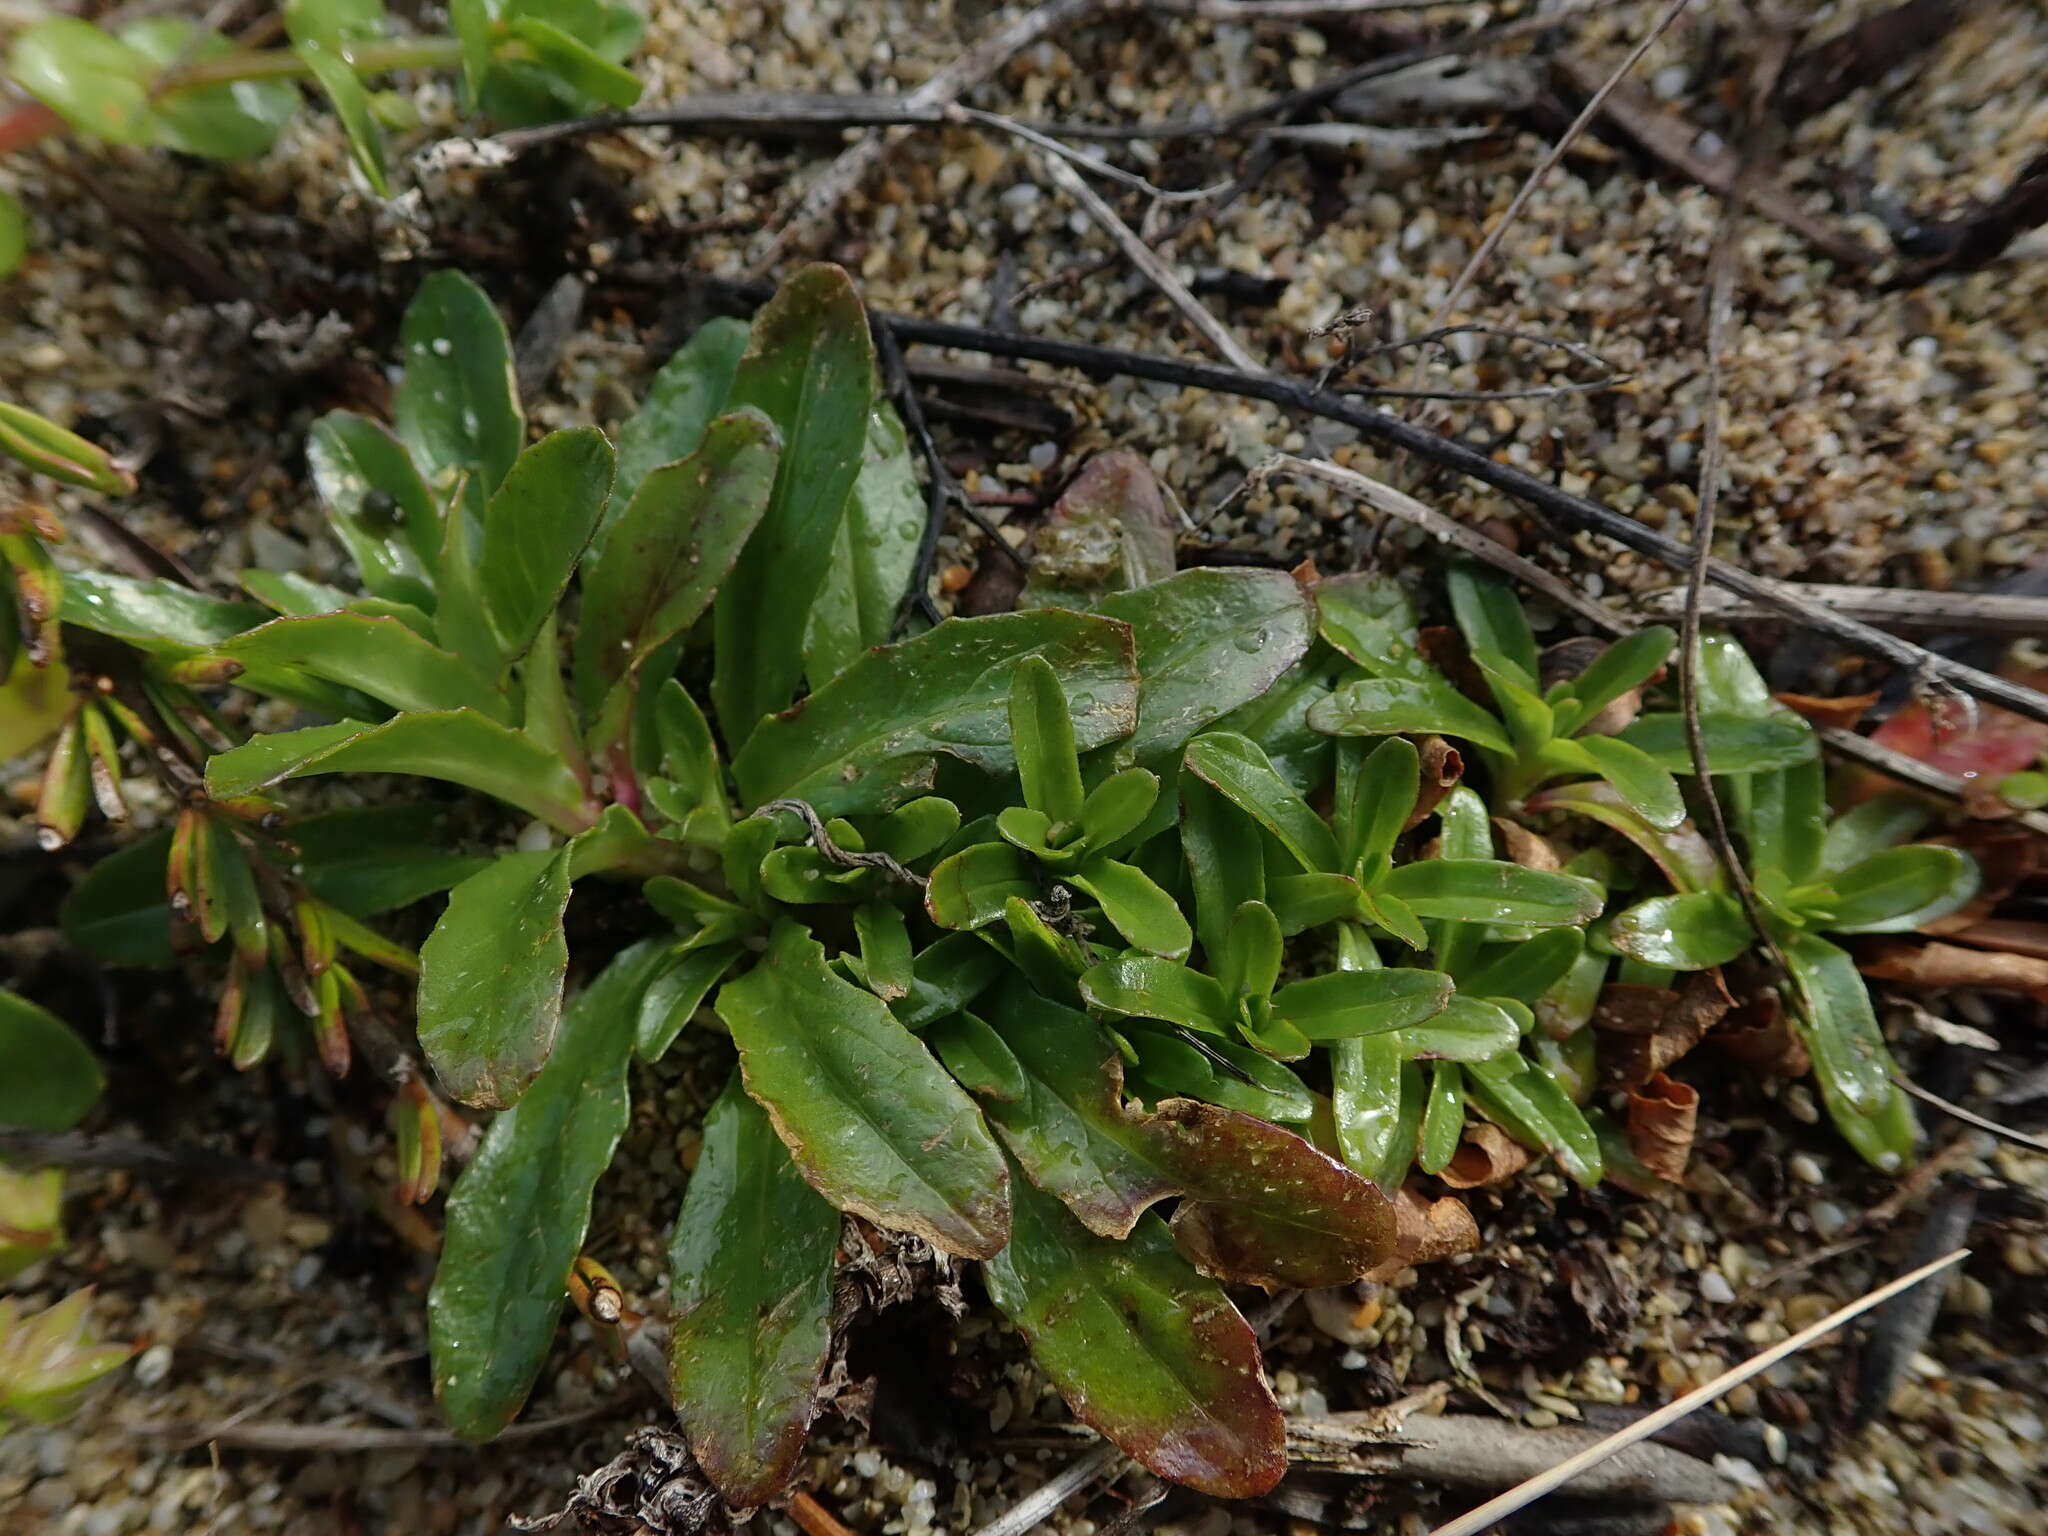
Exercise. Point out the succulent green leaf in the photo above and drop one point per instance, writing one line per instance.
(1051, 961)
(750, 1303)
(159, 617)
(96, 83)
(884, 939)
(873, 1121)
(1528, 1104)
(1683, 933)
(1146, 916)
(1042, 734)
(1376, 1098)
(875, 554)
(49, 449)
(1686, 858)
(1226, 858)
(1371, 619)
(234, 121)
(575, 65)
(866, 738)
(1235, 767)
(1248, 964)
(1902, 889)
(49, 1358)
(968, 889)
(1784, 820)
(1374, 806)
(810, 368)
(1736, 744)
(1342, 1004)
(518, 1213)
(458, 745)
(1143, 1348)
(1526, 970)
(1729, 681)
(1309, 901)
(119, 913)
(49, 1077)
(381, 657)
(1530, 721)
(490, 993)
(977, 1057)
(1117, 807)
(1492, 891)
(1149, 987)
(1881, 822)
(1491, 617)
(1389, 707)
(1643, 783)
(688, 391)
(670, 548)
(676, 992)
(1443, 1118)
(1169, 1065)
(947, 976)
(535, 528)
(457, 406)
(1209, 642)
(353, 109)
(1468, 1029)
(1628, 663)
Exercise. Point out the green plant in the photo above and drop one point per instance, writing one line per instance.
(48, 1082)
(1018, 927)
(170, 83)
(49, 1359)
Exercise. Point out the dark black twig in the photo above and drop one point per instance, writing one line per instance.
(32, 1149)
(845, 858)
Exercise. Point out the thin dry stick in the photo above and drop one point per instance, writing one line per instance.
(1384, 498)
(1550, 161)
(1970, 1116)
(1979, 613)
(1472, 1523)
(1036, 1507)
(1146, 260)
(335, 1438)
(943, 89)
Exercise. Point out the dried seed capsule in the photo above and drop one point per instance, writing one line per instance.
(416, 1121)
(67, 788)
(204, 671)
(330, 1029)
(38, 593)
(595, 1292)
(316, 936)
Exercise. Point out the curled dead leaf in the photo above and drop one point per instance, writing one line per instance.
(2011, 935)
(1663, 1116)
(1442, 767)
(1759, 1034)
(1487, 1155)
(1631, 1008)
(1843, 713)
(1529, 849)
(1426, 1231)
(1698, 1006)
(1952, 965)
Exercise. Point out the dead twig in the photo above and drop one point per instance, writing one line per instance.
(1478, 1520)
(333, 1439)
(845, 858)
(1156, 271)
(1902, 1324)
(34, 1149)
(813, 1518)
(1982, 613)
(1970, 1116)
(1037, 1506)
(1912, 771)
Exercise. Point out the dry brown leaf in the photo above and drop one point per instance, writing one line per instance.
(1952, 965)
(1845, 712)
(1662, 1117)
(1442, 766)
(1427, 1230)
(1760, 1034)
(1701, 1003)
(1488, 1155)
(1529, 849)
(2009, 935)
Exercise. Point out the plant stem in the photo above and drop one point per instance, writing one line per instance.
(368, 58)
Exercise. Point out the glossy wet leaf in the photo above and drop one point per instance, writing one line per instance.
(1783, 816)
(1526, 970)
(535, 527)
(1226, 858)
(978, 1059)
(969, 889)
(1143, 1348)
(1443, 1118)
(682, 398)
(490, 993)
(1340, 1005)
(1169, 1065)
(582, 69)
(1389, 707)
(96, 83)
(1236, 768)
(866, 739)
(675, 993)
(874, 556)
(873, 1121)
(1491, 615)
(353, 109)
(750, 1301)
(379, 656)
(1376, 1098)
(1901, 889)
(457, 405)
(1137, 908)
(1262, 1206)
(518, 1213)
(1468, 1029)
(946, 976)
(1117, 807)
(460, 746)
(1686, 858)
(1491, 891)
(1371, 619)
(1149, 987)
(1735, 743)
(809, 367)
(1526, 1103)
(160, 617)
(1381, 793)
(1042, 734)
(1248, 963)
(1628, 663)
(1643, 783)
(670, 548)
(1683, 933)
(1111, 530)
(1881, 822)
(1209, 641)
(49, 1078)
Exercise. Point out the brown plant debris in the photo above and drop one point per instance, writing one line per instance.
(1696, 1008)
(1953, 965)
(1843, 713)
(652, 1487)
(1663, 1115)
(1426, 1231)
(1488, 1155)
